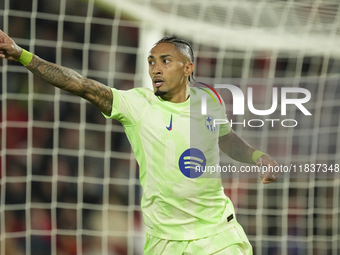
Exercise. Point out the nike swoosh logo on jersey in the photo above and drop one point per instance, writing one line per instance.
(170, 126)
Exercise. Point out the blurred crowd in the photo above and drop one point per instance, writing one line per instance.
(42, 150)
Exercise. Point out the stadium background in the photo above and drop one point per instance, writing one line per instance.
(69, 181)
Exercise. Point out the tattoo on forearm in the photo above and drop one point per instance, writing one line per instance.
(238, 149)
(69, 80)
(55, 74)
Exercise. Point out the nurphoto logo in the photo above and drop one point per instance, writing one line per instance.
(239, 104)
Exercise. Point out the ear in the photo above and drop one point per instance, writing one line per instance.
(188, 68)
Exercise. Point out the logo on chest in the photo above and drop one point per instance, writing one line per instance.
(170, 125)
(209, 123)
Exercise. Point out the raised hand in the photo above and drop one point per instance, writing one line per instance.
(8, 48)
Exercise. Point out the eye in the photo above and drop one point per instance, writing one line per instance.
(166, 61)
(151, 62)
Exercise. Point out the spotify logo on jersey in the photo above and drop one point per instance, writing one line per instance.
(189, 162)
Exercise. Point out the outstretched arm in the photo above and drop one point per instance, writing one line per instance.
(238, 149)
(64, 78)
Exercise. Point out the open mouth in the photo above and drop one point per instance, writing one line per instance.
(158, 82)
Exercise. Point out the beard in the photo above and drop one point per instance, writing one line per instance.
(160, 93)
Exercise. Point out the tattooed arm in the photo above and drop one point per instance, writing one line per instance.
(67, 79)
(238, 149)
(64, 78)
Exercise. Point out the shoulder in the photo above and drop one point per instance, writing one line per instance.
(208, 92)
(135, 93)
(144, 92)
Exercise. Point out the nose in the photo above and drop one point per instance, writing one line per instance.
(156, 69)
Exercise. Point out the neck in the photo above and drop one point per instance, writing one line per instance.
(179, 97)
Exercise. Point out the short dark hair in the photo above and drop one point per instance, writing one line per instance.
(182, 46)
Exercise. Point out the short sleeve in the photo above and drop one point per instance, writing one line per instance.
(224, 129)
(127, 106)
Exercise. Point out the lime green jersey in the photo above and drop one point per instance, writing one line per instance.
(170, 141)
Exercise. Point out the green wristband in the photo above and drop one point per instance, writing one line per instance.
(257, 155)
(25, 57)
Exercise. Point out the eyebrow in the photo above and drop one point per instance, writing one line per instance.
(161, 56)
